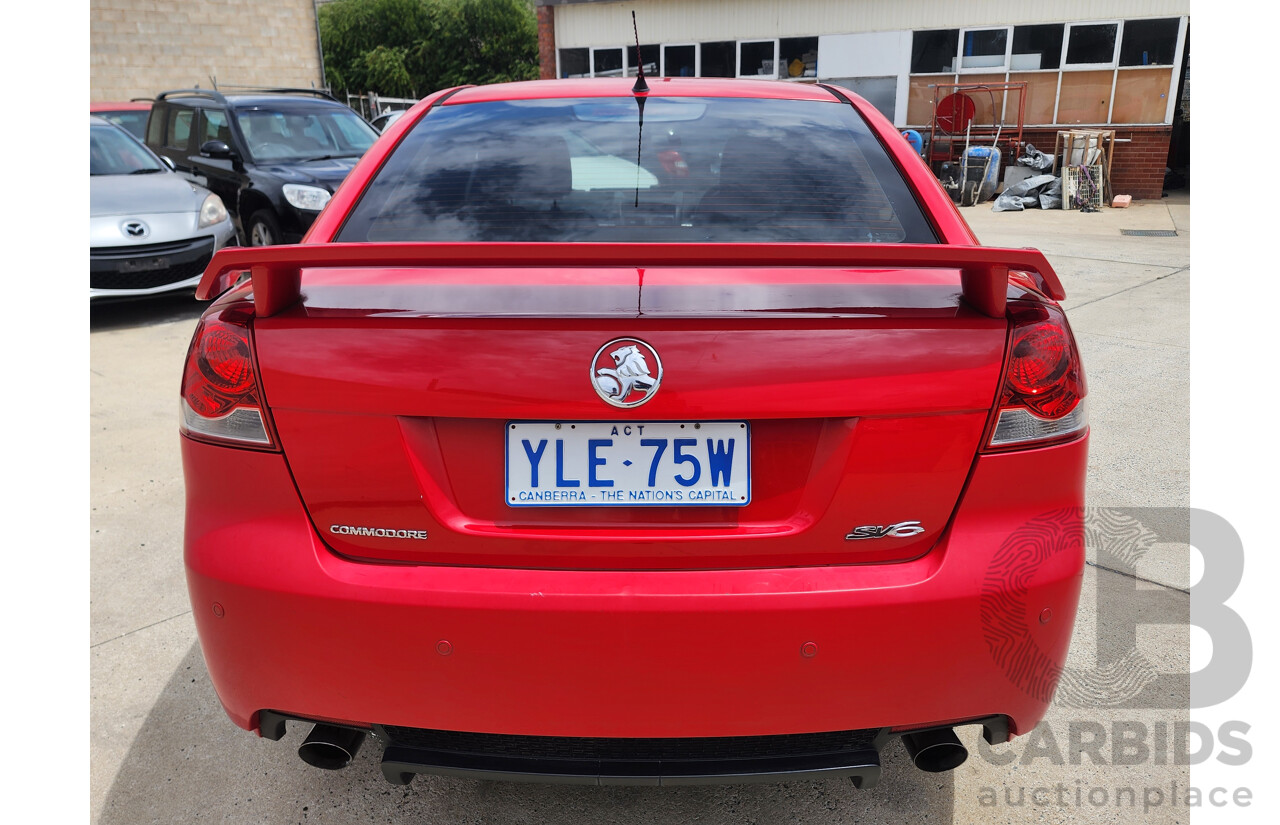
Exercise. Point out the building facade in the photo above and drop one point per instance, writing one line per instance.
(138, 48)
(1073, 64)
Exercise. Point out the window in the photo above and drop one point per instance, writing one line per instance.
(291, 134)
(111, 152)
(651, 54)
(1149, 42)
(719, 59)
(132, 122)
(1036, 47)
(1091, 44)
(798, 56)
(179, 133)
(1095, 72)
(708, 169)
(606, 62)
(680, 61)
(215, 127)
(984, 48)
(934, 51)
(758, 58)
(575, 63)
(155, 126)
(350, 132)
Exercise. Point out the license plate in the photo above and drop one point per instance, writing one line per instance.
(628, 464)
(143, 264)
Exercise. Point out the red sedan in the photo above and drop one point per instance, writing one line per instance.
(129, 115)
(605, 433)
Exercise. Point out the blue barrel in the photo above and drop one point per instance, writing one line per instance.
(915, 139)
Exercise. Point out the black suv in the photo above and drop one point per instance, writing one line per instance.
(274, 156)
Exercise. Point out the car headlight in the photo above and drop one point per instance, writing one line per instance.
(212, 211)
(306, 197)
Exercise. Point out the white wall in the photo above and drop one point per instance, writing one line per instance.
(864, 55)
(869, 54)
(684, 21)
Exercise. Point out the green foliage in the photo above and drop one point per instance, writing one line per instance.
(386, 71)
(352, 29)
(485, 41)
(403, 48)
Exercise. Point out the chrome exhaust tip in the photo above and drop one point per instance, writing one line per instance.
(935, 750)
(330, 747)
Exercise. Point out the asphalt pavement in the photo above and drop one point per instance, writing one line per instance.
(161, 749)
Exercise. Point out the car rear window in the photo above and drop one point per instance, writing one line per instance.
(133, 121)
(603, 170)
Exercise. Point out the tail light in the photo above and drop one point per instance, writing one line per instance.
(222, 399)
(1042, 396)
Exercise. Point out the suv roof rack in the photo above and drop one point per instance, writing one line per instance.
(284, 90)
(212, 94)
(217, 95)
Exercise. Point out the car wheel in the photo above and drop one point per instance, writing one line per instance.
(264, 229)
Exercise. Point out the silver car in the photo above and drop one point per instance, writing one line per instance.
(384, 120)
(150, 230)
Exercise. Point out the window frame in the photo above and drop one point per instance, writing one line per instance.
(176, 112)
(701, 67)
(591, 60)
(203, 125)
(697, 57)
(1064, 70)
(560, 68)
(737, 62)
(1008, 50)
(955, 57)
(783, 72)
(627, 68)
(1062, 47)
(1089, 67)
(158, 120)
(1177, 44)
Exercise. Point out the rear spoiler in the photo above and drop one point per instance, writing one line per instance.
(277, 270)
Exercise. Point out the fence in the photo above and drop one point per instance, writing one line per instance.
(371, 105)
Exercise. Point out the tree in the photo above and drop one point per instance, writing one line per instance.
(403, 48)
(484, 41)
(352, 29)
(387, 72)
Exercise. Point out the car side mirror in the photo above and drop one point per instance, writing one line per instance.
(215, 149)
(168, 162)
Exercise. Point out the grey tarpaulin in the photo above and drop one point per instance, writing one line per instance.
(1035, 159)
(1051, 195)
(1038, 192)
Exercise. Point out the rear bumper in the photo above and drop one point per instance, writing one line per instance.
(288, 626)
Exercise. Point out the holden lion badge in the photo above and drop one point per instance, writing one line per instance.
(626, 372)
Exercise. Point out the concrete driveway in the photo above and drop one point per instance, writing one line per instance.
(162, 750)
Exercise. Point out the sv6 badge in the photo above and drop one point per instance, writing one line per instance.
(901, 530)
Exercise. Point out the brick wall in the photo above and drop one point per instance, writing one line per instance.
(1137, 167)
(140, 47)
(547, 42)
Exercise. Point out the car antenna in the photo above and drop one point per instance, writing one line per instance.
(641, 87)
